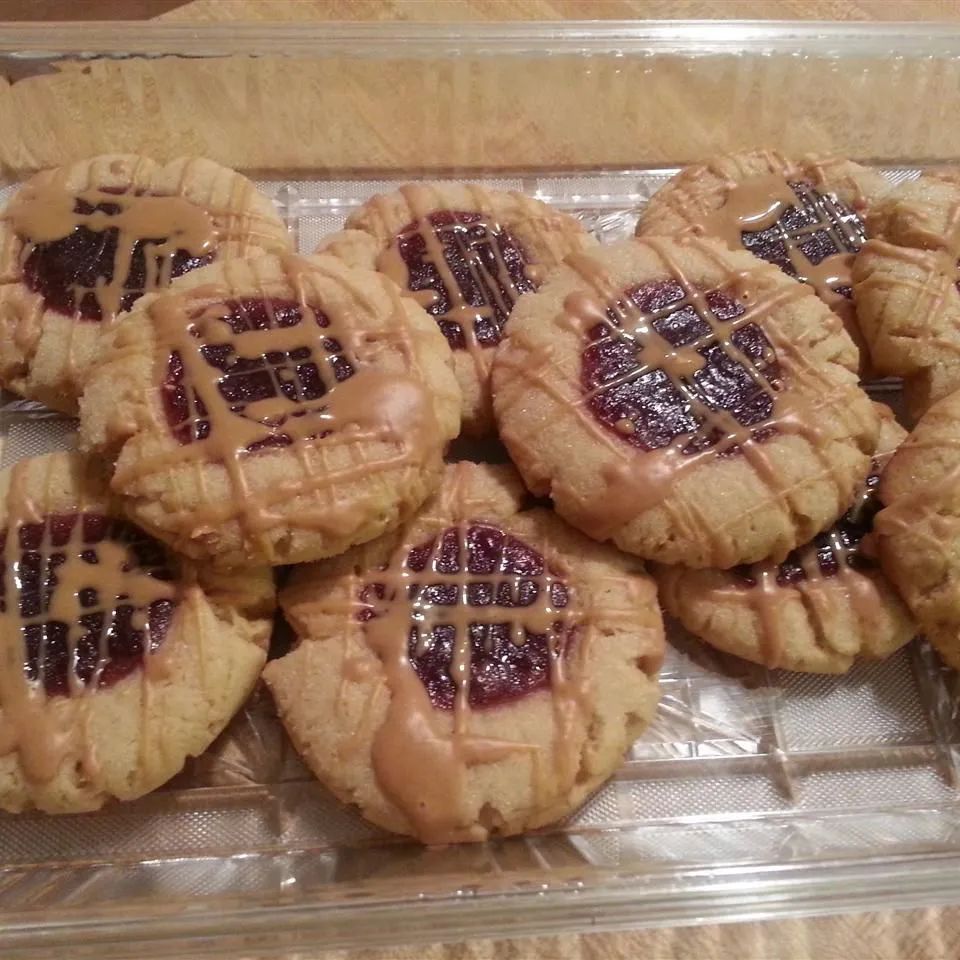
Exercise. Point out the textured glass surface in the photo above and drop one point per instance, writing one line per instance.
(754, 793)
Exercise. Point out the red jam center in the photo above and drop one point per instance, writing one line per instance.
(110, 646)
(649, 406)
(487, 264)
(500, 571)
(839, 544)
(66, 272)
(292, 374)
(819, 226)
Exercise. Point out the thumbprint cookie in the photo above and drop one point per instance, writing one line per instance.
(826, 604)
(907, 287)
(918, 530)
(480, 671)
(465, 254)
(120, 660)
(687, 401)
(274, 410)
(80, 244)
(806, 217)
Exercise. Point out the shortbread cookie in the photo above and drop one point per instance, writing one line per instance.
(907, 286)
(465, 254)
(80, 244)
(120, 659)
(826, 604)
(806, 216)
(689, 402)
(919, 528)
(273, 410)
(479, 672)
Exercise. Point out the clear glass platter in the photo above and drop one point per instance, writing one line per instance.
(755, 793)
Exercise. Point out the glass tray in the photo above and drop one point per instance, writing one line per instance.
(755, 793)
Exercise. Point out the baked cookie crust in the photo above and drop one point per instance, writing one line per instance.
(688, 402)
(121, 660)
(274, 410)
(479, 672)
(465, 254)
(79, 244)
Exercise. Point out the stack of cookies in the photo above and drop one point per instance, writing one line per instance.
(470, 658)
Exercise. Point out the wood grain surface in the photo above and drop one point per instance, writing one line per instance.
(932, 934)
(563, 9)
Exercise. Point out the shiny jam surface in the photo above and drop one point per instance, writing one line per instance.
(293, 374)
(819, 226)
(66, 272)
(486, 262)
(482, 567)
(108, 644)
(653, 403)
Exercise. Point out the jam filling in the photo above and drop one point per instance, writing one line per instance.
(483, 567)
(819, 226)
(67, 272)
(487, 264)
(838, 545)
(650, 405)
(299, 375)
(113, 631)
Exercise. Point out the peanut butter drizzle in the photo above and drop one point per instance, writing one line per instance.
(926, 235)
(818, 590)
(758, 203)
(42, 730)
(424, 201)
(46, 213)
(921, 505)
(941, 274)
(371, 406)
(951, 231)
(641, 480)
(767, 604)
(421, 759)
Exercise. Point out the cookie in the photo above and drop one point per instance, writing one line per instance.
(918, 531)
(689, 402)
(479, 672)
(274, 410)
(826, 604)
(907, 287)
(465, 254)
(80, 244)
(120, 659)
(806, 217)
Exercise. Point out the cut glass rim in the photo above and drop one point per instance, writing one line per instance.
(889, 40)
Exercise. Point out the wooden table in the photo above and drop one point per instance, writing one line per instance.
(558, 9)
(932, 934)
